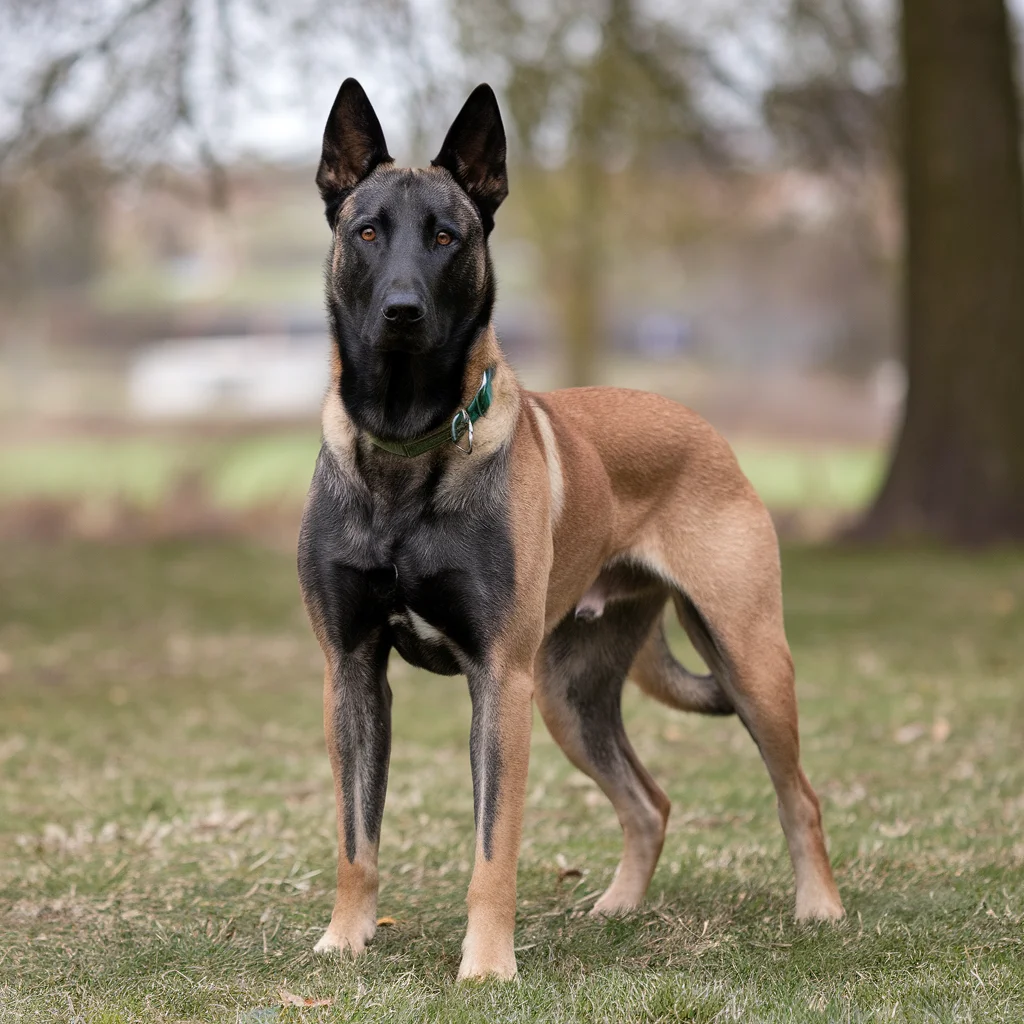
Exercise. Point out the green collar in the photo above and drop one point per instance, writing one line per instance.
(461, 424)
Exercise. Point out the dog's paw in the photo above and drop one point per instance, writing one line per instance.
(612, 909)
(347, 936)
(616, 902)
(482, 960)
(823, 906)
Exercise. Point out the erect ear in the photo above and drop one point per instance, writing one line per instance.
(353, 146)
(474, 152)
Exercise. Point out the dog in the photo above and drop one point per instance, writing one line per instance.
(528, 541)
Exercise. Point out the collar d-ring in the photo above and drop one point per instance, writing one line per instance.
(463, 416)
(461, 423)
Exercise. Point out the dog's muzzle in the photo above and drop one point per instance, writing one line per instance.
(405, 309)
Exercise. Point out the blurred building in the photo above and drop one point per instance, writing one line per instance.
(248, 376)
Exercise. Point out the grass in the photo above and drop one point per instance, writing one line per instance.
(236, 471)
(167, 837)
(242, 471)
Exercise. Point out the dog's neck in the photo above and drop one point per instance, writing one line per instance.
(398, 396)
(343, 432)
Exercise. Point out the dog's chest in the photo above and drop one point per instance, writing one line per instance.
(439, 582)
(423, 644)
(435, 617)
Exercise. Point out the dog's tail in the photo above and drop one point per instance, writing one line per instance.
(657, 672)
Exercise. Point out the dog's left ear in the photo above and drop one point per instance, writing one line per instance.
(474, 152)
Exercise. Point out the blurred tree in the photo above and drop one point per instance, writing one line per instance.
(591, 87)
(120, 86)
(93, 92)
(157, 80)
(957, 472)
(830, 100)
(831, 108)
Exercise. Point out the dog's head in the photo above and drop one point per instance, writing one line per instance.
(409, 279)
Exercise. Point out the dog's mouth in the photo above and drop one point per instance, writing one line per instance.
(410, 339)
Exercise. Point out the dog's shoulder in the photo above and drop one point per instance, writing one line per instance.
(624, 420)
(642, 438)
(622, 406)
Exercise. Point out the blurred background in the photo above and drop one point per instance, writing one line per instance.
(800, 217)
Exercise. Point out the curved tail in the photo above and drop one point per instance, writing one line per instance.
(657, 672)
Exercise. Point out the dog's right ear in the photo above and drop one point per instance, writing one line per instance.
(353, 146)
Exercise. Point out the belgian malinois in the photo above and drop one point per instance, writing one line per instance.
(530, 542)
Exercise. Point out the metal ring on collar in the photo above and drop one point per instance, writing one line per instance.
(463, 415)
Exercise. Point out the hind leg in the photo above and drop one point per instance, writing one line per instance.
(583, 667)
(762, 685)
(733, 614)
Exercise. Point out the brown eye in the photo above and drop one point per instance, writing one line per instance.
(443, 238)
(367, 234)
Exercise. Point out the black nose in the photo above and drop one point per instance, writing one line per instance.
(403, 307)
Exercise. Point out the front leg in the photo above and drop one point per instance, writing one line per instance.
(357, 725)
(500, 755)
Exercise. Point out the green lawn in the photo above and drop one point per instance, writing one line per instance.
(239, 472)
(167, 836)
(236, 471)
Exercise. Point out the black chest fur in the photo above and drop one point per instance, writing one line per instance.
(396, 556)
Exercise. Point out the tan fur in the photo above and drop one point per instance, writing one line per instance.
(556, 484)
(488, 946)
(493, 430)
(600, 475)
(668, 492)
(338, 432)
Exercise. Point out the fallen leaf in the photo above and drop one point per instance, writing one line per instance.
(565, 873)
(291, 999)
(386, 922)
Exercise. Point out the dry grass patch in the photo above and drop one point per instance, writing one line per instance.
(167, 835)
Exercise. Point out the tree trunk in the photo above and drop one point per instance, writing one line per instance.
(958, 469)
